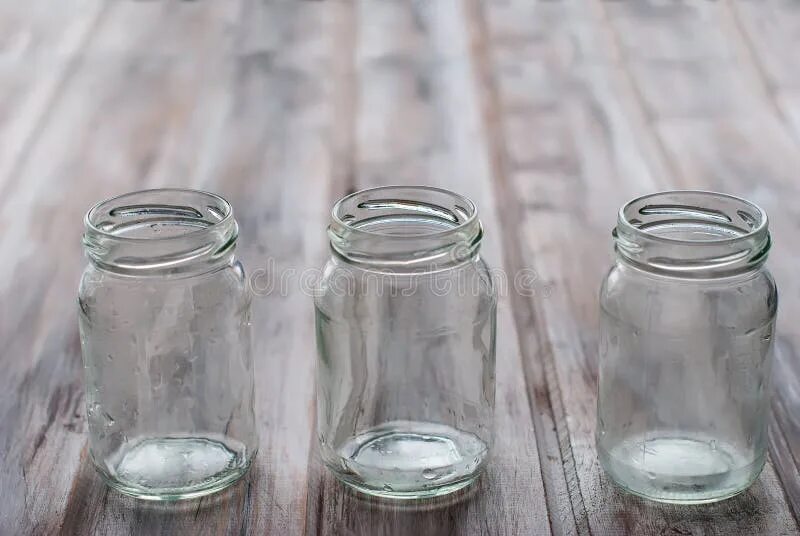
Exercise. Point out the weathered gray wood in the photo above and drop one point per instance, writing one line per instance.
(102, 135)
(418, 121)
(752, 152)
(548, 114)
(39, 51)
(566, 193)
(258, 139)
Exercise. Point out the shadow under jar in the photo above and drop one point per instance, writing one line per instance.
(165, 331)
(406, 337)
(687, 319)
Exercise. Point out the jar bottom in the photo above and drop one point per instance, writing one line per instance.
(680, 470)
(173, 468)
(410, 460)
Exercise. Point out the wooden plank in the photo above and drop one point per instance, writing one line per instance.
(771, 29)
(669, 88)
(586, 187)
(418, 122)
(285, 156)
(193, 32)
(756, 159)
(39, 51)
(754, 155)
(669, 31)
(104, 133)
(789, 102)
(768, 34)
(548, 114)
(270, 152)
(782, 438)
(726, 154)
(669, 73)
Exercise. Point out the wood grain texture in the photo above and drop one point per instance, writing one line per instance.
(416, 120)
(561, 197)
(550, 114)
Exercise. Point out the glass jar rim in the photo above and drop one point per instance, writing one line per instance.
(403, 227)
(470, 210)
(92, 225)
(630, 225)
(177, 231)
(733, 234)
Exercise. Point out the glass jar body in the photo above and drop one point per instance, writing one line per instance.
(684, 374)
(406, 376)
(169, 380)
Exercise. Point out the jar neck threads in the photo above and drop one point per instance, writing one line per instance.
(161, 232)
(399, 228)
(692, 234)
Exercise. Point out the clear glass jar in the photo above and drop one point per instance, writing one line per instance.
(687, 319)
(165, 332)
(406, 337)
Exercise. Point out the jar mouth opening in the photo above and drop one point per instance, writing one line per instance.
(692, 218)
(169, 231)
(403, 212)
(161, 214)
(405, 228)
(692, 233)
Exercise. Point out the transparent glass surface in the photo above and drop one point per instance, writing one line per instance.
(687, 319)
(165, 332)
(405, 322)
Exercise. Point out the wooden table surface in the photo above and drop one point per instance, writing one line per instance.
(549, 114)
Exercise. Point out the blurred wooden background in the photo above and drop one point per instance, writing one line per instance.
(549, 114)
